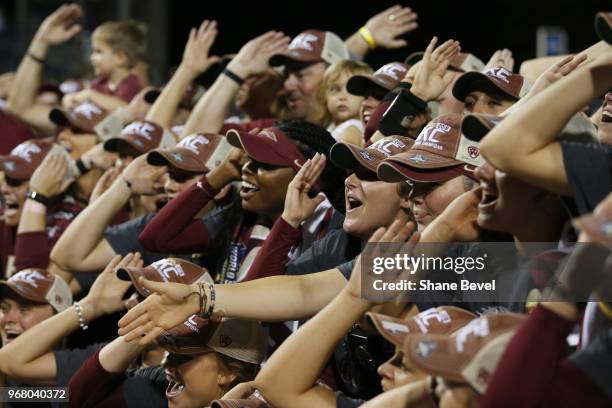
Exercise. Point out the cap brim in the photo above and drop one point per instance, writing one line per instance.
(362, 85)
(15, 290)
(133, 274)
(278, 60)
(603, 26)
(121, 145)
(462, 87)
(255, 148)
(163, 157)
(392, 329)
(474, 128)
(393, 172)
(348, 157)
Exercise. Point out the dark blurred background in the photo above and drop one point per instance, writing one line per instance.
(482, 27)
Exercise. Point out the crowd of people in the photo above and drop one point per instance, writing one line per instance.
(190, 247)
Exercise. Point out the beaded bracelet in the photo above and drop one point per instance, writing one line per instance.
(82, 321)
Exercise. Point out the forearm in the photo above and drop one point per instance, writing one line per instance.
(529, 130)
(415, 394)
(163, 110)
(107, 102)
(86, 231)
(274, 253)
(118, 355)
(33, 218)
(211, 109)
(357, 45)
(93, 386)
(28, 78)
(18, 359)
(295, 366)
(279, 298)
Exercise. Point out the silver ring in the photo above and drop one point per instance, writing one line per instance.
(391, 17)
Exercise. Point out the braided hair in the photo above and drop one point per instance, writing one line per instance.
(311, 139)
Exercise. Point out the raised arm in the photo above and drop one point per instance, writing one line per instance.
(30, 356)
(195, 61)
(289, 377)
(57, 28)
(383, 30)
(82, 246)
(252, 59)
(524, 144)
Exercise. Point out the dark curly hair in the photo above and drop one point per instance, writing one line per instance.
(312, 139)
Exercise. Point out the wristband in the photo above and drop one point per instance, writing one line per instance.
(233, 76)
(33, 195)
(35, 58)
(81, 166)
(82, 321)
(367, 37)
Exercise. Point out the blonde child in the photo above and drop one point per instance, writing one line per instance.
(341, 107)
(118, 50)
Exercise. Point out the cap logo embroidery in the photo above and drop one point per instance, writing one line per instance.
(473, 151)
(395, 327)
(140, 129)
(367, 156)
(478, 327)
(384, 146)
(428, 136)
(499, 73)
(483, 376)
(423, 318)
(394, 71)
(26, 151)
(224, 340)
(29, 277)
(270, 135)
(418, 158)
(178, 157)
(191, 323)
(9, 165)
(166, 268)
(425, 348)
(88, 110)
(192, 142)
(303, 41)
(58, 299)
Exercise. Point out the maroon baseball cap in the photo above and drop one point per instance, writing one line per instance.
(39, 286)
(509, 83)
(21, 162)
(469, 355)
(141, 137)
(439, 153)
(350, 156)
(165, 270)
(271, 146)
(380, 82)
(190, 154)
(244, 340)
(83, 118)
(440, 320)
(603, 26)
(462, 62)
(313, 46)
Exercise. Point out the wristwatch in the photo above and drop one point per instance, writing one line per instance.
(33, 195)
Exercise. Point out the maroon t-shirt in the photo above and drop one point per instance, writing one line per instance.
(12, 133)
(7, 248)
(126, 90)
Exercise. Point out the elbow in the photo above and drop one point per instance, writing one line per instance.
(498, 157)
(62, 258)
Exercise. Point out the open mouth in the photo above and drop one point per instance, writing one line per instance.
(174, 388)
(353, 203)
(11, 207)
(11, 335)
(247, 189)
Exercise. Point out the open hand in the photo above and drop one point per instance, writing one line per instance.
(432, 77)
(390, 24)
(298, 206)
